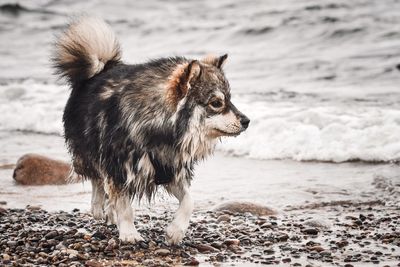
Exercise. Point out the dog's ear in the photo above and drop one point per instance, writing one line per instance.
(215, 61)
(221, 61)
(181, 79)
(192, 72)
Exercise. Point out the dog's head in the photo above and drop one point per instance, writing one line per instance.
(205, 88)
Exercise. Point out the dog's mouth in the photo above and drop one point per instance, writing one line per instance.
(223, 133)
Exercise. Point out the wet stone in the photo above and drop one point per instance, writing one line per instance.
(99, 235)
(204, 248)
(162, 252)
(230, 242)
(192, 262)
(310, 231)
(224, 218)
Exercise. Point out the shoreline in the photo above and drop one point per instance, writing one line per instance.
(279, 184)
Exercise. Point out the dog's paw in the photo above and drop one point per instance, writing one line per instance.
(98, 213)
(110, 218)
(131, 236)
(174, 233)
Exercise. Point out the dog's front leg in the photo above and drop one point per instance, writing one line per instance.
(119, 205)
(176, 230)
(125, 218)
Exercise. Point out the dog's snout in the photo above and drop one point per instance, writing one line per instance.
(245, 122)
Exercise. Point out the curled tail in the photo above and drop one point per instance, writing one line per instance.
(84, 49)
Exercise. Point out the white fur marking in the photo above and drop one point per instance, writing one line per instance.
(125, 217)
(177, 229)
(195, 143)
(228, 123)
(98, 199)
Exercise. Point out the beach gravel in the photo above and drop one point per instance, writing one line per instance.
(368, 234)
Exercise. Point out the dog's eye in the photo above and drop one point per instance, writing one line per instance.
(216, 104)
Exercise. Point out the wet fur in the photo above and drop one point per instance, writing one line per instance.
(132, 128)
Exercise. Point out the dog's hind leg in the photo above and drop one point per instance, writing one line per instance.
(111, 216)
(98, 199)
(177, 229)
(119, 204)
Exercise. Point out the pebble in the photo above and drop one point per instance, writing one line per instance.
(33, 207)
(245, 207)
(162, 252)
(6, 257)
(311, 231)
(317, 248)
(93, 263)
(224, 218)
(51, 235)
(192, 262)
(230, 242)
(204, 248)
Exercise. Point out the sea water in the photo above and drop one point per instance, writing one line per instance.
(318, 79)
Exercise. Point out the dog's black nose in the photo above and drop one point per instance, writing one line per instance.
(245, 122)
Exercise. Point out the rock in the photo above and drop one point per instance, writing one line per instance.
(316, 248)
(342, 243)
(217, 245)
(235, 249)
(269, 251)
(162, 252)
(32, 169)
(192, 262)
(282, 237)
(93, 263)
(2, 210)
(243, 207)
(51, 235)
(319, 224)
(310, 231)
(224, 218)
(99, 235)
(11, 243)
(33, 207)
(230, 242)
(204, 248)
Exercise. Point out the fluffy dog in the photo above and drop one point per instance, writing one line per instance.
(133, 128)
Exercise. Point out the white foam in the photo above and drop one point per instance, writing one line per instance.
(31, 106)
(278, 130)
(335, 133)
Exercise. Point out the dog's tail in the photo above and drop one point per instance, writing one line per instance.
(85, 49)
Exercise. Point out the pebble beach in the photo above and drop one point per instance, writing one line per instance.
(345, 233)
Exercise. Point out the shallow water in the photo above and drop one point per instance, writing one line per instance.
(279, 184)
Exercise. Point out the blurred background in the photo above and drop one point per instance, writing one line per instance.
(319, 80)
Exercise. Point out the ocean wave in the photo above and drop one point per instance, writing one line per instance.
(299, 127)
(32, 107)
(16, 9)
(334, 133)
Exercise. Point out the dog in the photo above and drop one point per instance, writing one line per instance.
(134, 128)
